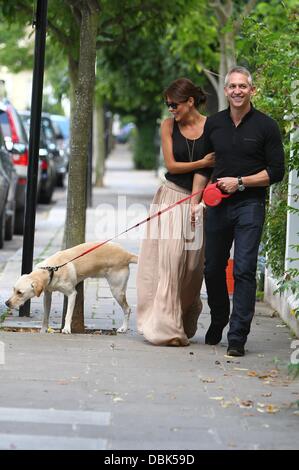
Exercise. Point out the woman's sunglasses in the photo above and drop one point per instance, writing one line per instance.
(172, 105)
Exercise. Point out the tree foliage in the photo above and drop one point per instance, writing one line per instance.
(16, 46)
(131, 76)
(269, 44)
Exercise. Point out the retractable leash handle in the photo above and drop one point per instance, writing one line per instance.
(213, 196)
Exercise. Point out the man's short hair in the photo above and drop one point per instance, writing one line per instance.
(238, 69)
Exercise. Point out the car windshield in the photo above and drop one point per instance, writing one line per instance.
(47, 129)
(5, 124)
(26, 122)
(61, 125)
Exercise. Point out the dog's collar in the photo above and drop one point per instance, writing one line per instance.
(51, 270)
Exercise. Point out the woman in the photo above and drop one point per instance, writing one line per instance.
(170, 269)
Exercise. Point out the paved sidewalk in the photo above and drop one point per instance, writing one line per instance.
(141, 396)
(121, 203)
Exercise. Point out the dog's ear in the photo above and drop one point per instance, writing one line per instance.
(37, 287)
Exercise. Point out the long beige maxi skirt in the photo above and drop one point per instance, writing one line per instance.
(170, 271)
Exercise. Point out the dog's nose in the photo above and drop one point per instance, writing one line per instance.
(7, 303)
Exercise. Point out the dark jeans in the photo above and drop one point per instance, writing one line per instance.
(241, 222)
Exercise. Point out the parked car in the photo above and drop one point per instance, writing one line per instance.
(48, 174)
(8, 188)
(54, 143)
(61, 126)
(49, 142)
(48, 166)
(124, 133)
(15, 135)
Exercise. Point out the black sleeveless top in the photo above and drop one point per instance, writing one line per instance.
(182, 154)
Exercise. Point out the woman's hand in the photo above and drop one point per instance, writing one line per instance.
(194, 213)
(209, 160)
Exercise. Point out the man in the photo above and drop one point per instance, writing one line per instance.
(249, 157)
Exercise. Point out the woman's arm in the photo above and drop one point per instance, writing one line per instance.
(170, 163)
(199, 184)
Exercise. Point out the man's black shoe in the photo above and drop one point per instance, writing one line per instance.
(214, 335)
(235, 350)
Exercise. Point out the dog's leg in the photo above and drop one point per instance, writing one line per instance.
(118, 284)
(47, 308)
(69, 312)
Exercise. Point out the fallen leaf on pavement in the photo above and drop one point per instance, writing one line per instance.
(216, 398)
(272, 409)
(150, 396)
(208, 380)
(268, 394)
(116, 399)
(252, 373)
(271, 374)
(226, 404)
(262, 408)
(246, 404)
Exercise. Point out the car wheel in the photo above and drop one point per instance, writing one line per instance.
(60, 180)
(2, 228)
(45, 196)
(19, 223)
(9, 226)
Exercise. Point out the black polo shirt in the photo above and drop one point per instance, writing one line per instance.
(254, 145)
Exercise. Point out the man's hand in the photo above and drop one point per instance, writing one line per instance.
(228, 184)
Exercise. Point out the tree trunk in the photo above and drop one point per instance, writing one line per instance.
(224, 13)
(222, 103)
(99, 144)
(82, 84)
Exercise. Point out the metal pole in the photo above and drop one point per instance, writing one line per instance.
(35, 121)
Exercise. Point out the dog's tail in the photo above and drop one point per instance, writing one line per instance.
(133, 258)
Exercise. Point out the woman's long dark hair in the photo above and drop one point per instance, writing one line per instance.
(182, 89)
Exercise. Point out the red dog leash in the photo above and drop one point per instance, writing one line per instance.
(157, 214)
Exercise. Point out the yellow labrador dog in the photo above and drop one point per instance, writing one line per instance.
(110, 261)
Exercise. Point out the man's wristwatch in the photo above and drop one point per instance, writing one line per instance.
(241, 186)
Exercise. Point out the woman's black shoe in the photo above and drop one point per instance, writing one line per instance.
(214, 335)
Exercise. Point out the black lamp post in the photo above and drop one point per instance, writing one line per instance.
(34, 136)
